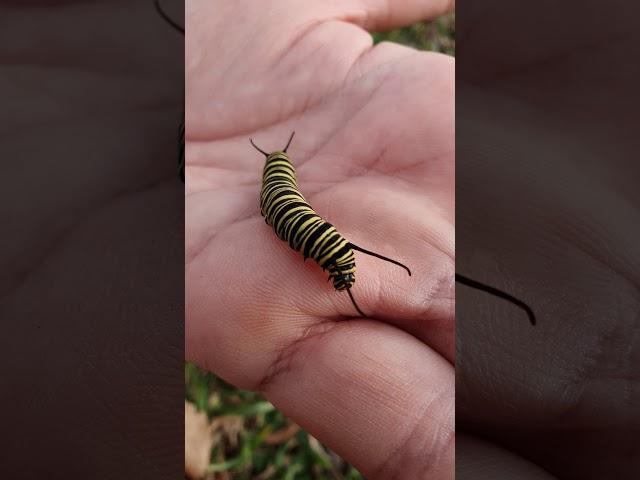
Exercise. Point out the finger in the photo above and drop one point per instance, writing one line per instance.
(372, 393)
(375, 395)
(387, 15)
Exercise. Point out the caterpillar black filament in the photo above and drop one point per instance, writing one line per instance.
(294, 221)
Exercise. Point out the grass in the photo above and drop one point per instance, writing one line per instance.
(437, 36)
(252, 439)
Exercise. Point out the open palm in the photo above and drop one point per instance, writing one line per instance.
(374, 156)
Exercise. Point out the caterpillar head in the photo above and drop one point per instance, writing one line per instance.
(343, 281)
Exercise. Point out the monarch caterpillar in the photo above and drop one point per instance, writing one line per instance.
(295, 222)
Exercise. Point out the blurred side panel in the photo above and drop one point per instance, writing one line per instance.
(548, 211)
(92, 244)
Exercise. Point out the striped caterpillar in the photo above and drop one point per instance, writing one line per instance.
(294, 221)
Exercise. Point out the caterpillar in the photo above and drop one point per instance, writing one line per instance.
(285, 209)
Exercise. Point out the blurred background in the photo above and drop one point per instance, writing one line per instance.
(234, 434)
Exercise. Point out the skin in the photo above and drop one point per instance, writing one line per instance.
(374, 154)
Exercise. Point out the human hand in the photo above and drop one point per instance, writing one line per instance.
(374, 155)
